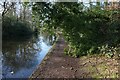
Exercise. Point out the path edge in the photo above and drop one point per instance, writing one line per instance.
(45, 58)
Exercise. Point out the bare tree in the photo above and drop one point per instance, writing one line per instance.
(6, 7)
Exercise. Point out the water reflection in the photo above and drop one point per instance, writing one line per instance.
(20, 57)
(49, 39)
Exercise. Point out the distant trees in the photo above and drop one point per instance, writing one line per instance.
(21, 10)
(16, 18)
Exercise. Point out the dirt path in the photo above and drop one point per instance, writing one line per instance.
(59, 65)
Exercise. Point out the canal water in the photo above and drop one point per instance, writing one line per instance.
(22, 56)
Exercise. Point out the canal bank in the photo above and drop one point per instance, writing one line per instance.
(58, 65)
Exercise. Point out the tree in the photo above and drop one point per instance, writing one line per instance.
(84, 29)
(7, 6)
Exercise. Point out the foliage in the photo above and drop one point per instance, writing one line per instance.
(85, 29)
(14, 28)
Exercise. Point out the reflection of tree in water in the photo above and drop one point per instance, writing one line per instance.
(21, 54)
(49, 39)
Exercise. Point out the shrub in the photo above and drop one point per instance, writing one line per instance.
(14, 28)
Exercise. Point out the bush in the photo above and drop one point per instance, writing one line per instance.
(14, 28)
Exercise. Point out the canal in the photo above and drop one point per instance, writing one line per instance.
(22, 56)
